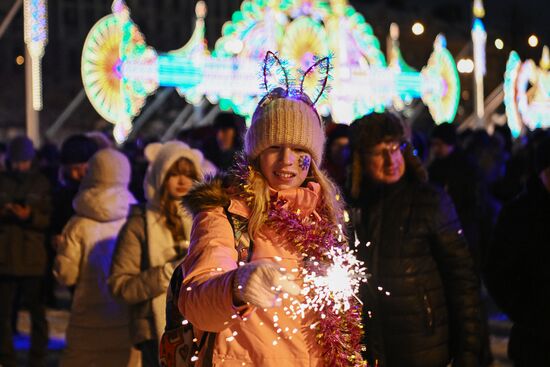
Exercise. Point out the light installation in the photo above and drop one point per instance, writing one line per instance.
(527, 93)
(120, 70)
(479, 40)
(35, 19)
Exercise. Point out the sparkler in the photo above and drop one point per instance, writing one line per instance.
(333, 283)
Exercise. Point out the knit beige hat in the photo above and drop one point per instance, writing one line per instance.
(285, 120)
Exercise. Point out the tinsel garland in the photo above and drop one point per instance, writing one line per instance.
(339, 334)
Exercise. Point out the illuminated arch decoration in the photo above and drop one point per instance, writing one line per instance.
(118, 79)
(527, 93)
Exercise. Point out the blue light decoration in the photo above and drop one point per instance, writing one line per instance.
(479, 37)
(120, 70)
(527, 93)
(36, 37)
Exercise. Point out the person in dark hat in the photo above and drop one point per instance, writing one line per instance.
(75, 153)
(517, 274)
(21, 151)
(229, 140)
(25, 209)
(337, 153)
(422, 296)
(443, 140)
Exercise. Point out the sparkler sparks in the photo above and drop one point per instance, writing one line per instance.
(331, 285)
(339, 283)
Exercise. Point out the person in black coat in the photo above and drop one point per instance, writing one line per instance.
(422, 296)
(517, 272)
(25, 210)
(452, 170)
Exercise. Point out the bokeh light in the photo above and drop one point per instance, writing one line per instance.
(465, 66)
(533, 41)
(417, 28)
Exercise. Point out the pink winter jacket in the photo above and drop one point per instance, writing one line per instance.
(246, 336)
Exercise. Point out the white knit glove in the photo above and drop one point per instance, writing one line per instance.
(262, 284)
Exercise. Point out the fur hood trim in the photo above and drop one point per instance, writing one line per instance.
(211, 193)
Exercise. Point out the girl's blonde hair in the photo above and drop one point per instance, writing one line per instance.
(330, 204)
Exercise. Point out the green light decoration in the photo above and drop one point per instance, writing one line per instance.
(118, 79)
(527, 93)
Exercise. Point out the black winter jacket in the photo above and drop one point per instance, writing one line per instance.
(421, 302)
(22, 242)
(517, 273)
(460, 177)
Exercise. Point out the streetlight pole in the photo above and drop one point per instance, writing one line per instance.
(31, 114)
(479, 40)
(36, 36)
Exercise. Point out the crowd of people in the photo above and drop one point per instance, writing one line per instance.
(435, 217)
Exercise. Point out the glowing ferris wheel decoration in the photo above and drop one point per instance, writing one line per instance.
(120, 70)
(527, 93)
(100, 68)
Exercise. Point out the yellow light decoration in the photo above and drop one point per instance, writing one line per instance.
(304, 39)
(478, 9)
(545, 59)
(100, 63)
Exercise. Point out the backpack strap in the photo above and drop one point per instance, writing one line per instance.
(243, 242)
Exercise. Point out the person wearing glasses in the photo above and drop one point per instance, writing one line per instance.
(421, 303)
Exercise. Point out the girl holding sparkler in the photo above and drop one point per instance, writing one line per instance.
(266, 302)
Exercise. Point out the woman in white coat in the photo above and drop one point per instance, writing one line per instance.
(97, 334)
(154, 241)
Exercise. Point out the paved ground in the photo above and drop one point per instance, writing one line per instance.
(57, 323)
(58, 320)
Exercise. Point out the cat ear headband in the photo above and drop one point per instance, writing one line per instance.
(277, 83)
